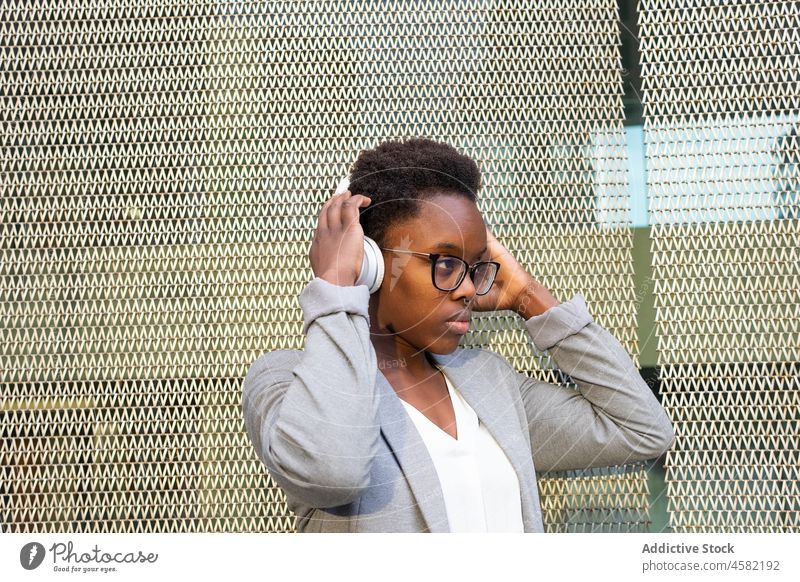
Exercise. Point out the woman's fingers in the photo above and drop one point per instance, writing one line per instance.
(323, 221)
(339, 213)
(343, 210)
(349, 212)
(337, 249)
(335, 209)
(493, 246)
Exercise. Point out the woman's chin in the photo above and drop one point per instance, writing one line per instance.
(444, 346)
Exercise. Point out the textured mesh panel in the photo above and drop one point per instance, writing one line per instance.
(721, 103)
(163, 164)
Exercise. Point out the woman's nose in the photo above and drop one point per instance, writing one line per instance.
(466, 290)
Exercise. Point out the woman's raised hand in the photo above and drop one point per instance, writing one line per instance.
(514, 288)
(338, 247)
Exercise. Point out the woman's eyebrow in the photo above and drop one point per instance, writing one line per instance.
(448, 246)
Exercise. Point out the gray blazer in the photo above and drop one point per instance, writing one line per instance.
(335, 437)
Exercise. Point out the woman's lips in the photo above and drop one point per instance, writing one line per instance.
(459, 327)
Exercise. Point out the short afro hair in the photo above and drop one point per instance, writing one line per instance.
(405, 172)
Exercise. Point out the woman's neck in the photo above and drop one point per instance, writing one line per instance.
(399, 359)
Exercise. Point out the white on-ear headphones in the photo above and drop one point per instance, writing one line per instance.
(371, 273)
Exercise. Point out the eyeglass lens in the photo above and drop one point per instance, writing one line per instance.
(449, 271)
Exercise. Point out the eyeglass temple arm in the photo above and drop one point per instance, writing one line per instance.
(407, 251)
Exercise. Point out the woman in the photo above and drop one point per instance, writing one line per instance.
(382, 424)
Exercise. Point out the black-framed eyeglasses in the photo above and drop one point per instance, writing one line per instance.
(447, 271)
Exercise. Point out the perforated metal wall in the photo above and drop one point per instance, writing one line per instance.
(721, 107)
(163, 164)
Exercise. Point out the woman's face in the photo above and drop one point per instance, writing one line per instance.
(409, 305)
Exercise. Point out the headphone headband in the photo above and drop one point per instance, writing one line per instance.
(344, 184)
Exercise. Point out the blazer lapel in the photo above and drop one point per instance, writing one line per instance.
(494, 409)
(413, 457)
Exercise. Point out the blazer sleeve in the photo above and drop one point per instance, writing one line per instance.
(612, 418)
(312, 415)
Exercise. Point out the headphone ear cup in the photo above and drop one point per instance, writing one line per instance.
(372, 267)
(371, 273)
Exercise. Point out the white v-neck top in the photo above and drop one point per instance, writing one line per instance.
(479, 484)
